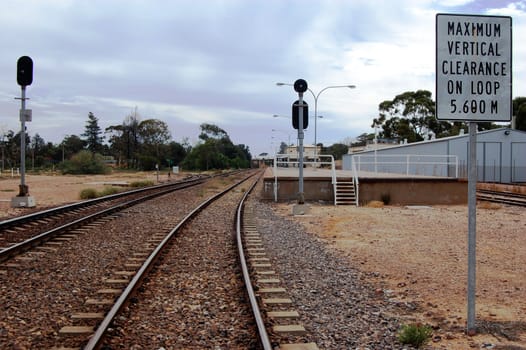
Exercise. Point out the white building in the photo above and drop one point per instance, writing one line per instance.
(501, 157)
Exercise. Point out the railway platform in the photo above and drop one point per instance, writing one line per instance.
(281, 184)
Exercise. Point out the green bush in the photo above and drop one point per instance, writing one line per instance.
(147, 162)
(88, 193)
(143, 183)
(108, 190)
(415, 334)
(85, 162)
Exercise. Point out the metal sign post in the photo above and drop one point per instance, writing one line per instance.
(300, 86)
(24, 78)
(301, 194)
(473, 83)
(472, 227)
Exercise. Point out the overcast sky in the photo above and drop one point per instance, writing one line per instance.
(203, 61)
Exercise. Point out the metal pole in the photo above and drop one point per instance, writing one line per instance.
(472, 226)
(23, 188)
(315, 130)
(301, 195)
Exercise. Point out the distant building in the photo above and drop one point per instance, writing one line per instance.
(308, 151)
(500, 157)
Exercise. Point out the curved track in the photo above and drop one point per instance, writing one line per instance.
(77, 290)
(22, 233)
(503, 197)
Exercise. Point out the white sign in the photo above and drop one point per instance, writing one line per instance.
(473, 68)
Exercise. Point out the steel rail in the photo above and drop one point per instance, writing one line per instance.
(17, 248)
(509, 198)
(263, 335)
(53, 211)
(96, 340)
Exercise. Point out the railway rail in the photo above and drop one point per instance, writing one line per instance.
(503, 197)
(122, 286)
(21, 233)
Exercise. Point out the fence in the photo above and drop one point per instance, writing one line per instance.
(407, 164)
(288, 161)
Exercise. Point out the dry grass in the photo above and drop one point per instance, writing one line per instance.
(375, 204)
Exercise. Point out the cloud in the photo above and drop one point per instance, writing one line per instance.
(187, 63)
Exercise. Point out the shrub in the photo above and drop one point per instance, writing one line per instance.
(143, 183)
(108, 190)
(88, 193)
(415, 334)
(375, 204)
(147, 162)
(85, 162)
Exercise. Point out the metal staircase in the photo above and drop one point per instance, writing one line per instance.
(345, 193)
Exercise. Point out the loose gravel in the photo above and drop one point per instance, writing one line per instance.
(196, 297)
(42, 289)
(337, 306)
(339, 309)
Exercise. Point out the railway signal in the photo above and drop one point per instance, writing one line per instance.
(24, 78)
(24, 71)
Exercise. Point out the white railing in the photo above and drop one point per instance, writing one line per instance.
(290, 161)
(406, 164)
(356, 182)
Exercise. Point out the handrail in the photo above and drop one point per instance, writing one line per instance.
(356, 182)
(316, 162)
(405, 161)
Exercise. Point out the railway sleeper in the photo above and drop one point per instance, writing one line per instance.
(109, 291)
(75, 330)
(271, 295)
(88, 316)
(99, 302)
(117, 281)
(302, 346)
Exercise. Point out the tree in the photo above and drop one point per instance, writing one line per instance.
(283, 147)
(6, 137)
(519, 112)
(337, 150)
(411, 116)
(362, 140)
(124, 139)
(36, 146)
(13, 147)
(153, 134)
(176, 153)
(85, 162)
(216, 151)
(72, 144)
(211, 131)
(93, 134)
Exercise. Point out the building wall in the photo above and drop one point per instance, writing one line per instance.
(399, 191)
(500, 156)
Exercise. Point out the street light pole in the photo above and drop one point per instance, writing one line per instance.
(316, 96)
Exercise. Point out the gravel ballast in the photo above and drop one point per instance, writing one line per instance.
(336, 305)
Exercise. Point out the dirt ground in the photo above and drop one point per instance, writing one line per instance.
(51, 190)
(418, 256)
(415, 255)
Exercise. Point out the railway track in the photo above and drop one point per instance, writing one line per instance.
(503, 197)
(21, 233)
(90, 281)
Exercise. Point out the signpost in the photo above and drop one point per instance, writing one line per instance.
(473, 84)
(24, 77)
(300, 108)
